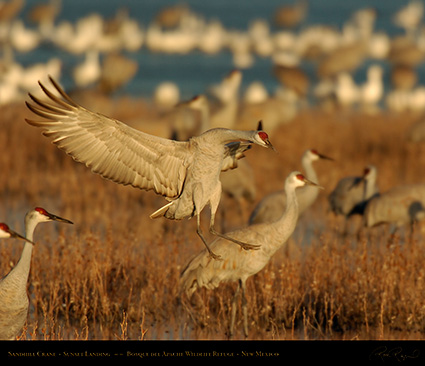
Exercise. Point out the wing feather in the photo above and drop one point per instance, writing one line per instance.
(111, 148)
(234, 152)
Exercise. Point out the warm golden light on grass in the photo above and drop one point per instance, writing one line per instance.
(115, 273)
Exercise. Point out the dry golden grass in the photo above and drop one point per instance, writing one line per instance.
(114, 273)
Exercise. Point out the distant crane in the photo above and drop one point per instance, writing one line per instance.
(351, 194)
(399, 206)
(238, 265)
(185, 172)
(13, 287)
(271, 207)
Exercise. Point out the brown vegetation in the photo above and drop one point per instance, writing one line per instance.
(114, 273)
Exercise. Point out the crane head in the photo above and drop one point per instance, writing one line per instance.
(301, 178)
(45, 216)
(318, 155)
(261, 138)
(6, 232)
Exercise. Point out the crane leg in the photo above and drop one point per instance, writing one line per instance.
(245, 246)
(244, 310)
(214, 201)
(199, 232)
(241, 285)
(234, 305)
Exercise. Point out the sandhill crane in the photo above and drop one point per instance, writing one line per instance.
(350, 196)
(185, 172)
(13, 287)
(270, 208)
(238, 265)
(399, 206)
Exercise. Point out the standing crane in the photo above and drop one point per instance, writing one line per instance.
(351, 194)
(238, 265)
(185, 172)
(399, 206)
(271, 207)
(13, 287)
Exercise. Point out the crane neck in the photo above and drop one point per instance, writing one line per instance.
(22, 268)
(283, 228)
(369, 188)
(225, 135)
(292, 206)
(310, 173)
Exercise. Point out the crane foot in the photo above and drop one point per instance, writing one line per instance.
(245, 246)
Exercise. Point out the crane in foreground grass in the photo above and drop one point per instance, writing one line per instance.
(238, 265)
(185, 172)
(14, 300)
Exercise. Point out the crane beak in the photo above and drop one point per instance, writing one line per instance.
(60, 219)
(269, 145)
(311, 183)
(14, 234)
(321, 156)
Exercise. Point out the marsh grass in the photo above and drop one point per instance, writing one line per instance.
(114, 274)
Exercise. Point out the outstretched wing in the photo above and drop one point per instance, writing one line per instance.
(111, 148)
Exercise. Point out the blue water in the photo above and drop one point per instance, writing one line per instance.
(196, 71)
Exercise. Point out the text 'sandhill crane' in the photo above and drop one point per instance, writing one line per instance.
(185, 172)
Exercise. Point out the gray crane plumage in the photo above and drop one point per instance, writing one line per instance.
(185, 172)
(399, 206)
(237, 264)
(271, 207)
(351, 194)
(14, 300)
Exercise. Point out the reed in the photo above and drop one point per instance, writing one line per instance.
(114, 274)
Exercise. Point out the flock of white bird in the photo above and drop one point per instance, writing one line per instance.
(336, 53)
(188, 173)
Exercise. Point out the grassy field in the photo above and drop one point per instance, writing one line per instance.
(114, 273)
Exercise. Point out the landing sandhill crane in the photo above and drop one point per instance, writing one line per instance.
(271, 207)
(351, 194)
(238, 265)
(237, 183)
(13, 287)
(399, 206)
(185, 172)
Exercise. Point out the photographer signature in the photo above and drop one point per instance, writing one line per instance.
(384, 353)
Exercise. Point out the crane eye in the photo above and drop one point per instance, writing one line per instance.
(4, 227)
(41, 210)
(300, 177)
